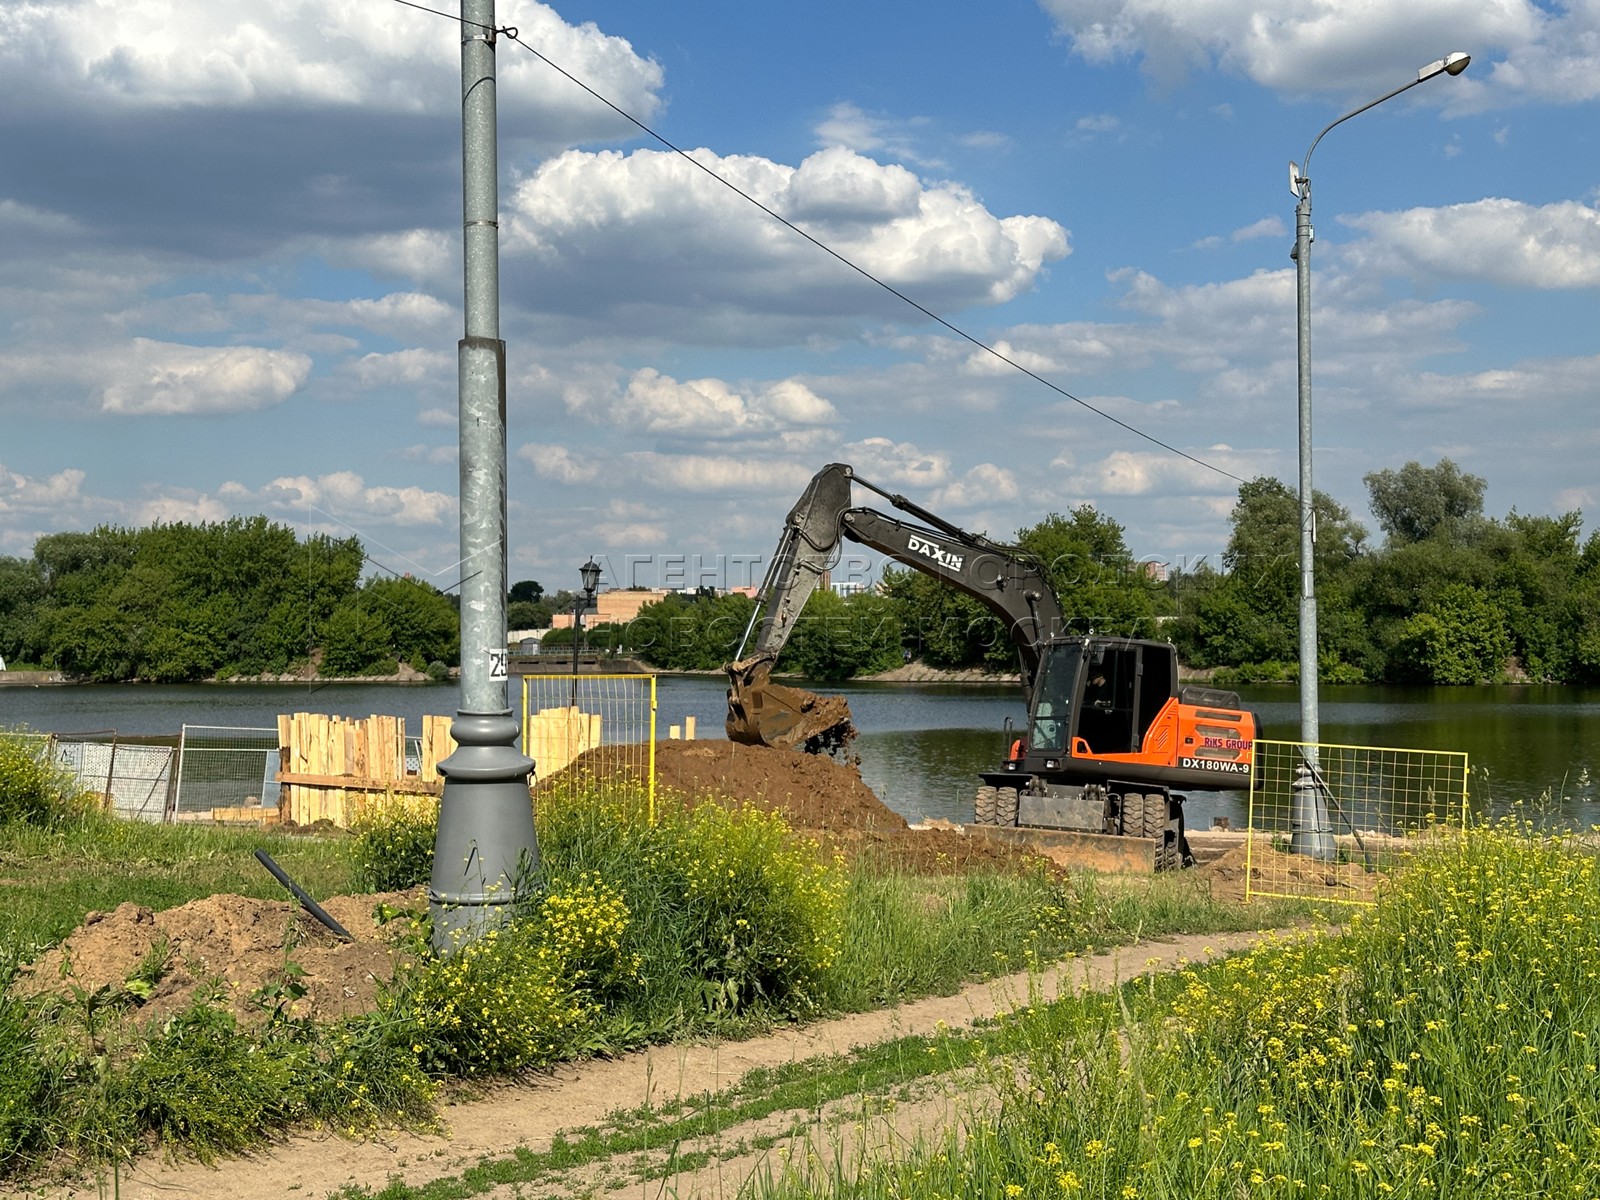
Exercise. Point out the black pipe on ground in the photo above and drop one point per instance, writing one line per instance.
(300, 894)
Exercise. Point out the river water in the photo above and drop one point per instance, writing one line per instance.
(921, 745)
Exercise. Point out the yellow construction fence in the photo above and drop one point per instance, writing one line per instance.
(1379, 803)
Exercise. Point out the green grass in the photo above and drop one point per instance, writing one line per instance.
(910, 936)
(51, 877)
(705, 922)
(1446, 1045)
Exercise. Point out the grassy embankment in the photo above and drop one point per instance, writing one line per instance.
(1446, 1044)
(707, 922)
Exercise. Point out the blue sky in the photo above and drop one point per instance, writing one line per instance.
(230, 268)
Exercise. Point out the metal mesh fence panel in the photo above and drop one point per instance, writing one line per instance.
(592, 734)
(132, 779)
(224, 767)
(1379, 803)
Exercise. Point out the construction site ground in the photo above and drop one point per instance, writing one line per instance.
(244, 941)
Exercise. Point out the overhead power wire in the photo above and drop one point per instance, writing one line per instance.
(511, 34)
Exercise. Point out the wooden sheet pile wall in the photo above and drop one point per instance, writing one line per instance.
(332, 767)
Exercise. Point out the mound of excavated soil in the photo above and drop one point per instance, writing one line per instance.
(817, 795)
(812, 791)
(240, 944)
(1277, 873)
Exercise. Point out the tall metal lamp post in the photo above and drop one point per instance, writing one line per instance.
(1309, 818)
(486, 847)
(590, 574)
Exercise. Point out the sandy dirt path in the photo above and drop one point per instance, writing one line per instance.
(532, 1113)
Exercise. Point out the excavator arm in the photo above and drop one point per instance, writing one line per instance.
(1005, 579)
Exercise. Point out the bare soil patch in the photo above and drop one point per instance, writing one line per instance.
(1278, 873)
(825, 798)
(235, 946)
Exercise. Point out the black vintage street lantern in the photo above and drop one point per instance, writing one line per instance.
(590, 573)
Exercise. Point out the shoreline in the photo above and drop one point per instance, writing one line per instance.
(912, 672)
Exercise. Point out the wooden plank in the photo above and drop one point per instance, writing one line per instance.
(393, 763)
(316, 757)
(252, 814)
(412, 786)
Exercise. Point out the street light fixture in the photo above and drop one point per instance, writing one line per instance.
(1309, 819)
(590, 574)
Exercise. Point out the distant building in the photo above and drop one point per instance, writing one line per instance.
(615, 607)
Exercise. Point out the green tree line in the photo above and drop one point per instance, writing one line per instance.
(1450, 596)
(176, 603)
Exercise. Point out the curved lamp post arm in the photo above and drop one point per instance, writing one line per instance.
(1451, 64)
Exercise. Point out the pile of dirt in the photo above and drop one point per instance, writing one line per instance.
(818, 795)
(239, 946)
(812, 791)
(1270, 871)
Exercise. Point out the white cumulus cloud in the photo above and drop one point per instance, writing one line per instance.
(313, 53)
(347, 496)
(559, 463)
(1354, 46)
(26, 494)
(411, 366)
(164, 379)
(983, 484)
(1145, 473)
(1506, 242)
(702, 408)
(902, 464)
(702, 473)
(646, 232)
(187, 507)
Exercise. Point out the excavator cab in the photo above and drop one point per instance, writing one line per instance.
(1099, 696)
(1109, 711)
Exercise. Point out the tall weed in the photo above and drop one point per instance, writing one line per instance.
(393, 846)
(34, 790)
(729, 909)
(524, 994)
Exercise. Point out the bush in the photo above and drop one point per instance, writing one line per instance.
(33, 790)
(524, 994)
(730, 908)
(393, 848)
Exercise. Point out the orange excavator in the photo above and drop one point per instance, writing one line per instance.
(1110, 735)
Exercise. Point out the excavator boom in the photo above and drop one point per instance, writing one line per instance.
(1004, 578)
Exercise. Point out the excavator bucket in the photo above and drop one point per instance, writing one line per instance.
(763, 713)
